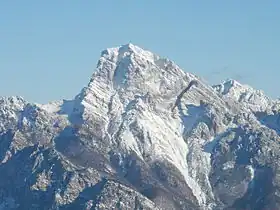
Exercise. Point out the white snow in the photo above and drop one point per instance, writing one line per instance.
(228, 165)
(131, 93)
(252, 171)
(250, 98)
(52, 107)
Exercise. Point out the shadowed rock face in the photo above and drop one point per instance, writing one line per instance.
(179, 97)
(143, 134)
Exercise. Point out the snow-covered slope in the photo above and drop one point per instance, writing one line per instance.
(252, 99)
(143, 134)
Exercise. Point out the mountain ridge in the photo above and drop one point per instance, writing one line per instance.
(142, 134)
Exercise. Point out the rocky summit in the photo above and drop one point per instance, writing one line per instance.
(143, 134)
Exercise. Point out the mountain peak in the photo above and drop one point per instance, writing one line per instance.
(142, 132)
(251, 98)
(232, 82)
(127, 64)
(128, 70)
(130, 46)
(229, 85)
(116, 54)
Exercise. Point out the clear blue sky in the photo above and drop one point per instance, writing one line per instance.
(49, 49)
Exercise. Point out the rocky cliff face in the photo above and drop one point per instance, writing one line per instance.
(143, 134)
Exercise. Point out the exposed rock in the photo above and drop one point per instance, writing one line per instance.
(119, 144)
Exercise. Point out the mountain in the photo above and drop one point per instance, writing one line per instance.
(143, 134)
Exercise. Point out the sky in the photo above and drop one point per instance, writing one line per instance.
(49, 49)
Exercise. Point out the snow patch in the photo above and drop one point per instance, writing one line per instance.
(228, 165)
